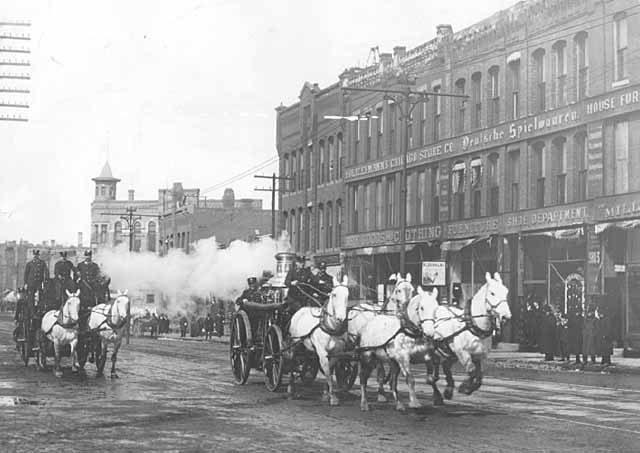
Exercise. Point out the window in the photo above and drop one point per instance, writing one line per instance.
(437, 111)
(423, 123)
(301, 165)
(493, 181)
(560, 73)
(329, 228)
(294, 172)
(476, 99)
(137, 236)
(462, 103)
(354, 202)
(494, 95)
(409, 202)
(514, 179)
(560, 170)
(307, 229)
(320, 236)
(97, 191)
(539, 84)
(103, 234)
(435, 194)
(339, 223)
(112, 192)
(410, 131)
(356, 146)
(308, 163)
(323, 176)
(367, 148)
(340, 157)
(331, 161)
(620, 43)
(420, 217)
(300, 223)
(458, 188)
(391, 193)
(117, 233)
(539, 172)
(379, 222)
(476, 187)
(367, 207)
(621, 139)
(102, 191)
(581, 68)
(286, 171)
(580, 154)
(380, 130)
(392, 127)
(294, 230)
(514, 84)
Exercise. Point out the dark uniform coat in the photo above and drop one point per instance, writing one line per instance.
(548, 338)
(301, 276)
(323, 282)
(574, 326)
(64, 269)
(604, 336)
(35, 273)
(89, 273)
(589, 335)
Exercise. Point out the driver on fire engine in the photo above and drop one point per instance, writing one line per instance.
(323, 282)
(252, 293)
(299, 280)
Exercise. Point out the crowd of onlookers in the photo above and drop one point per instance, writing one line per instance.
(582, 336)
(209, 326)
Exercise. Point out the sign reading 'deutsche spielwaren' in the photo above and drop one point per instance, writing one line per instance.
(605, 209)
(599, 107)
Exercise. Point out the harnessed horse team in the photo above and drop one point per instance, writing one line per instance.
(413, 328)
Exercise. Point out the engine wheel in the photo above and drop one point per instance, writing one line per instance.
(239, 347)
(272, 359)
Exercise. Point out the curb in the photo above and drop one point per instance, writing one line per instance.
(541, 365)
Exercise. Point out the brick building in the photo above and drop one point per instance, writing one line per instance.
(534, 175)
(311, 150)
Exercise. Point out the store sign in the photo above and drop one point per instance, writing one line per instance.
(619, 268)
(601, 107)
(620, 207)
(545, 218)
(433, 273)
(473, 228)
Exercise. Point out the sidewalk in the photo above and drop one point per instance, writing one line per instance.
(175, 336)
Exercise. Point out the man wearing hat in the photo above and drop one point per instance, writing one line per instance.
(88, 274)
(64, 272)
(299, 280)
(252, 293)
(322, 281)
(35, 275)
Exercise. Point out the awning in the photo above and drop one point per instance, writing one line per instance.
(567, 233)
(625, 225)
(368, 251)
(457, 245)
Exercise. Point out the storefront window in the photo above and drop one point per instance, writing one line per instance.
(458, 188)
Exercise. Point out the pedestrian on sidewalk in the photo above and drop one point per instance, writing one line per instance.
(604, 335)
(208, 327)
(562, 336)
(547, 333)
(574, 330)
(589, 335)
(184, 323)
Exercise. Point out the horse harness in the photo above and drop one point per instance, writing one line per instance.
(109, 323)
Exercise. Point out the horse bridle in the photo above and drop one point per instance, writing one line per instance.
(109, 315)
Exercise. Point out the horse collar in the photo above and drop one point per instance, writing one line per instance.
(472, 326)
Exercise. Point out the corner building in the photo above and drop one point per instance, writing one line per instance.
(535, 175)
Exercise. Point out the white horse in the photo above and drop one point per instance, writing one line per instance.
(109, 321)
(397, 339)
(61, 327)
(323, 330)
(465, 335)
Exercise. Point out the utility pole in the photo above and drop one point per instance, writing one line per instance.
(272, 189)
(407, 100)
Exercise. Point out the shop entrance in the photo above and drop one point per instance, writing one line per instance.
(566, 288)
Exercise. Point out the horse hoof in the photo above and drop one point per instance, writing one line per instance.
(333, 401)
(364, 407)
(57, 374)
(448, 393)
(415, 404)
(382, 398)
(114, 376)
(437, 400)
(400, 407)
(74, 370)
(324, 397)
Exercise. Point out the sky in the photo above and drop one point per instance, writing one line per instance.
(177, 91)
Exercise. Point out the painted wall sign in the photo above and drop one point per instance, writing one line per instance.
(600, 107)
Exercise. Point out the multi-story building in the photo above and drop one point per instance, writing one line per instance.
(534, 175)
(311, 150)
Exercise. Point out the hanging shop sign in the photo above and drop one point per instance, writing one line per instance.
(433, 273)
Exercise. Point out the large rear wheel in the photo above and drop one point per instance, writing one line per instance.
(101, 358)
(273, 360)
(240, 343)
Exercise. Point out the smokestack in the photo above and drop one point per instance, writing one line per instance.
(79, 239)
(131, 192)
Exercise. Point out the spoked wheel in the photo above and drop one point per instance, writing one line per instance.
(345, 372)
(25, 346)
(273, 361)
(309, 370)
(239, 347)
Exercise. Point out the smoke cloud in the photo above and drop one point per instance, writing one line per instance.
(206, 271)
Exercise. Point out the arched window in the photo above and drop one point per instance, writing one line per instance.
(476, 100)
(560, 169)
(581, 66)
(493, 95)
(323, 176)
(286, 171)
(539, 80)
(493, 183)
(476, 186)
(580, 159)
(285, 223)
(340, 157)
(435, 194)
(331, 160)
(329, 226)
(559, 71)
(620, 45)
(458, 188)
(339, 217)
(320, 236)
(293, 228)
(539, 172)
(514, 87)
(117, 233)
(151, 236)
(462, 102)
(294, 172)
(137, 236)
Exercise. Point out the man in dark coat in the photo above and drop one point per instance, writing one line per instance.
(35, 275)
(208, 326)
(184, 323)
(64, 273)
(323, 282)
(548, 333)
(589, 339)
(298, 280)
(604, 335)
(574, 326)
(88, 282)
(252, 293)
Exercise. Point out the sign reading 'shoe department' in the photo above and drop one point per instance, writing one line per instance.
(433, 273)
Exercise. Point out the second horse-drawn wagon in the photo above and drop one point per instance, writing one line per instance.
(260, 340)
